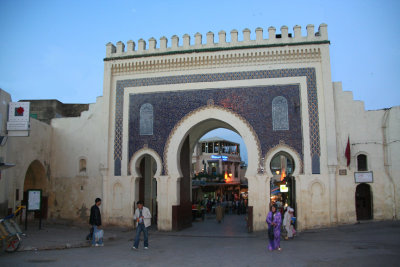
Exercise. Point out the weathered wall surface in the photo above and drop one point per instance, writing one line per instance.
(375, 136)
(76, 139)
(5, 98)
(23, 151)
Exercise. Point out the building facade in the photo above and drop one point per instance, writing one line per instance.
(217, 156)
(137, 140)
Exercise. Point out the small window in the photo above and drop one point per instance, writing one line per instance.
(362, 163)
(210, 148)
(146, 119)
(82, 165)
(280, 117)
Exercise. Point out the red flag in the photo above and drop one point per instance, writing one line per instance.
(347, 153)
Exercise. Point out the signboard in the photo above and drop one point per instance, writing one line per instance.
(18, 125)
(18, 119)
(34, 199)
(224, 158)
(363, 177)
(18, 111)
(284, 188)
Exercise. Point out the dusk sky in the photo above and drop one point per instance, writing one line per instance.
(55, 49)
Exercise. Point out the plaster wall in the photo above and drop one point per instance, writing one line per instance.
(22, 151)
(5, 98)
(393, 153)
(74, 139)
(367, 136)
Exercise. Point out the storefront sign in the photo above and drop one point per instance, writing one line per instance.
(224, 158)
(363, 177)
(284, 188)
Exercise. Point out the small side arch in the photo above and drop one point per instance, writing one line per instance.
(282, 147)
(134, 164)
(82, 165)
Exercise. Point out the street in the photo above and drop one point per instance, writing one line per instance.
(211, 244)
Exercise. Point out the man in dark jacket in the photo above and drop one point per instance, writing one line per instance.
(95, 221)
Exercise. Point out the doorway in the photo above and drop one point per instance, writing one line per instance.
(35, 178)
(148, 185)
(363, 202)
(283, 184)
(213, 182)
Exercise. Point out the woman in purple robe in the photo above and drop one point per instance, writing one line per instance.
(274, 221)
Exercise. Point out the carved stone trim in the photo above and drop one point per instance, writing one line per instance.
(185, 62)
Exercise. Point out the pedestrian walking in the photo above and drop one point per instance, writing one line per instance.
(274, 221)
(143, 221)
(95, 222)
(288, 223)
(219, 211)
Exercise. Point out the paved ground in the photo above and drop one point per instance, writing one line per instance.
(211, 244)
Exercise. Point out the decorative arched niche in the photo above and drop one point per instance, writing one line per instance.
(288, 152)
(134, 164)
(280, 114)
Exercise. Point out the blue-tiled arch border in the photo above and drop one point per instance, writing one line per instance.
(312, 99)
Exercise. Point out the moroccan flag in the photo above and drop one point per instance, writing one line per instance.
(347, 152)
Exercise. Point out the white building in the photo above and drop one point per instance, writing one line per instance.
(137, 140)
(217, 156)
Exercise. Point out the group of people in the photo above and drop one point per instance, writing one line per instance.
(274, 221)
(238, 206)
(142, 216)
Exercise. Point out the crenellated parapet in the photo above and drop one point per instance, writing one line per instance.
(284, 38)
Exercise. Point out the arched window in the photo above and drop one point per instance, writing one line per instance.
(362, 163)
(82, 165)
(280, 117)
(146, 119)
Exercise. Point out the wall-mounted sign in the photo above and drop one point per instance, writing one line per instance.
(224, 158)
(18, 119)
(284, 188)
(363, 177)
(34, 199)
(18, 111)
(342, 172)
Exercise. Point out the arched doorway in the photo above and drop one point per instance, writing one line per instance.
(283, 183)
(148, 185)
(179, 149)
(35, 178)
(211, 180)
(145, 167)
(363, 202)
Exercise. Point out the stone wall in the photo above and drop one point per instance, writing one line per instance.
(45, 110)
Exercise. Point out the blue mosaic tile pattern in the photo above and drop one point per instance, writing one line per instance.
(254, 104)
(309, 73)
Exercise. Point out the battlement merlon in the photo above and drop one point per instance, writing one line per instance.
(274, 39)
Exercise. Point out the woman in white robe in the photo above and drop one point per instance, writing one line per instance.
(287, 222)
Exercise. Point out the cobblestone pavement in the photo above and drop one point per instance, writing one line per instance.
(211, 244)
